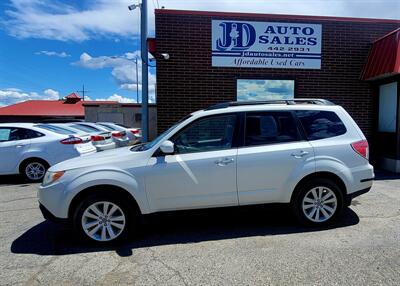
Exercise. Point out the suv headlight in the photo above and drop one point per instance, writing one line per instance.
(51, 177)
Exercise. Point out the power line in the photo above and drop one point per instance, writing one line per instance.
(83, 92)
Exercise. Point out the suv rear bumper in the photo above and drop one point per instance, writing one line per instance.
(351, 196)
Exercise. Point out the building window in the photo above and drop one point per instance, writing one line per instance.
(138, 117)
(387, 107)
(256, 89)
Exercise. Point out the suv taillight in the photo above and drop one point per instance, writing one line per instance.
(361, 147)
(72, 140)
(97, 138)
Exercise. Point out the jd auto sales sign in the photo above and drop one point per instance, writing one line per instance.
(266, 45)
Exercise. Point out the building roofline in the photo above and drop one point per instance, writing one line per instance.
(98, 103)
(387, 35)
(272, 16)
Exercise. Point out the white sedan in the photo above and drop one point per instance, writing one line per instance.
(30, 149)
(133, 134)
(101, 138)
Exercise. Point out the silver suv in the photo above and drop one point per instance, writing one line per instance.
(308, 153)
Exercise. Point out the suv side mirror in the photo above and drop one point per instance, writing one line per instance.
(167, 147)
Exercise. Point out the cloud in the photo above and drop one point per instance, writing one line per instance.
(123, 70)
(117, 97)
(53, 54)
(87, 61)
(14, 95)
(56, 20)
(51, 93)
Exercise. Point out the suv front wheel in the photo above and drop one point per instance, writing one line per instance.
(103, 219)
(318, 202)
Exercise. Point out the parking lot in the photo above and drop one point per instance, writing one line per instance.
(246, 246)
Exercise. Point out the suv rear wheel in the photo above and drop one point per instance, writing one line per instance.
(318, 202)
(103, 219)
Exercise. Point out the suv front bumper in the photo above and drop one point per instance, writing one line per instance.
(49, 216)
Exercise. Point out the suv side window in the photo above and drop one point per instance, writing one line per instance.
(208, 134)
(320, 124)
(270, 127)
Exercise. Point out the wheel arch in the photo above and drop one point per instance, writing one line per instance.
(102, 189)
(318, 175)
(31, 159)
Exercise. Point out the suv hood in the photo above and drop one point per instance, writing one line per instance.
(109, 157)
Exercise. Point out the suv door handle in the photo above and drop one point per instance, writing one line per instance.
(299, 154)
(224, 161)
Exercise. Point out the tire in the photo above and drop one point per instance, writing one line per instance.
(33, 170)
(92, 225)
(317, 202)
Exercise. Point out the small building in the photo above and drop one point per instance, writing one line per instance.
(129, 114)
(72, 108)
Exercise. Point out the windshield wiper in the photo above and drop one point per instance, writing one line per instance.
(138, 147)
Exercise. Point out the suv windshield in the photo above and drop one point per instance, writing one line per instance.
(151, 144)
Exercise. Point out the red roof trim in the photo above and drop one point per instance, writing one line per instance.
(272, 16)
(383, 58)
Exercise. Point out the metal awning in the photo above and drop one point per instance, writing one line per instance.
(384, 57)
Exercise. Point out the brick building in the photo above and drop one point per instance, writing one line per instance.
(332, 56)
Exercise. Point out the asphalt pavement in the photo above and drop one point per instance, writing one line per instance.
(235, 246)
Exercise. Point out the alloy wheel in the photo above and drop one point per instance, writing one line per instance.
(103, 221)
(35, 171)
(319, 204)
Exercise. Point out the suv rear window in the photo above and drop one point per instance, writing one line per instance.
(320, 124)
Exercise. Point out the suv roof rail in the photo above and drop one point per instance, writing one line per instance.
(317, 101)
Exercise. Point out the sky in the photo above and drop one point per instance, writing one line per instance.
(50, 48)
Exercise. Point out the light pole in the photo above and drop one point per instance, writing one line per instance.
(144, 56)
(137, 80)
(137, 76)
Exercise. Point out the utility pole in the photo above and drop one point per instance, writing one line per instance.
(137, 81)
(145, 69)
(145, 87)
(83, 92)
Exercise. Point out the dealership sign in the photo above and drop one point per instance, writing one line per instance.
(266, 45)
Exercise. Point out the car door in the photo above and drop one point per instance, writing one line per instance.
(273, 152)
(201, 172)
(13, 144)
